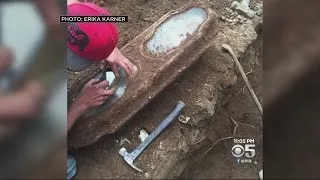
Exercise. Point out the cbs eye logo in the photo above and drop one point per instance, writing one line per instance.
(247, 150)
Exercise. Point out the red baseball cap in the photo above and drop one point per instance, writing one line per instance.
(89, 42)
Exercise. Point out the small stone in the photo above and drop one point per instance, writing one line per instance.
(259, 13)
(240, 17)
(234, 14)
(143, 135)
(160, 146)
(184, 119)
(223, 18)
(235, 21)
(147, 175)
(261, 174)
(124, 140)
(229, 20)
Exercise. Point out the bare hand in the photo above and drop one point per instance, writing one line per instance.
(21, 104)
(117, 59)
(93, 94)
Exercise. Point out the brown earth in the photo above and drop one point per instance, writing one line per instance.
(213, 95)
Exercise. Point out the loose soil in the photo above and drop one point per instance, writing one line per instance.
(211, 105)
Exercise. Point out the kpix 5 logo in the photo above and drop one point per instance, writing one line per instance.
(244, 150)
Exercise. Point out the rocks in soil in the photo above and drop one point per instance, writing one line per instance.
(122, 141)
(232, 17)
(229, 10)
(147, 175)
(223, 18)
(239, 39)
(233, 14)
(202, 110)
(143, 135)
(184, 119)
(258, 9)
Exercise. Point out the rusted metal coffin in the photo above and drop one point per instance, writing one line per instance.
(155, 72)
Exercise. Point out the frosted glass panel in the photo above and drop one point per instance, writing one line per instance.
(173, 31)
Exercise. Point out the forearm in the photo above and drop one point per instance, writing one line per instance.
(74, 113)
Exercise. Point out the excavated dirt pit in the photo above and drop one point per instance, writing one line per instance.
(155, 71)
(214, 97)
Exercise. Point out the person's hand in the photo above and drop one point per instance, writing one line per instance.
(23, 103)
(116, 59)
(93, 94)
